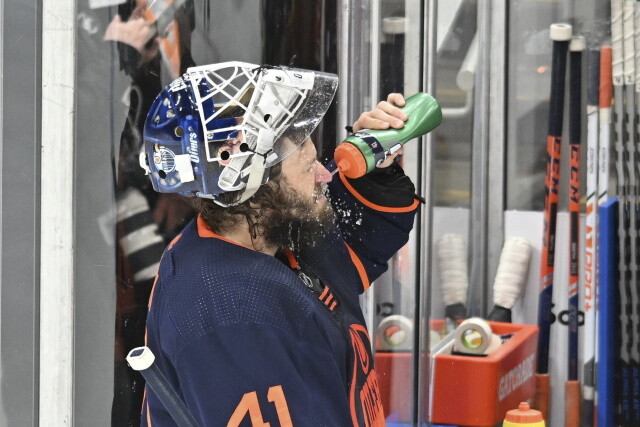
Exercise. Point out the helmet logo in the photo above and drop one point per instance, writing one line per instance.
(164, 160)
(193, 147)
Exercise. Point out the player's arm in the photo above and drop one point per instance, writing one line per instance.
(248, 374)
(376, 212)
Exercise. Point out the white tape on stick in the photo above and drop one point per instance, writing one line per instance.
(454, 281)
(512, 271)
(474, 337)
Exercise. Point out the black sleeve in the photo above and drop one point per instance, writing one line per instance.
(386, 187)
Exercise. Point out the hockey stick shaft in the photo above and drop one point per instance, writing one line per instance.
(604, 105)
(607, 262)
(142, 360)
(619, 89)
(633, 148)
(560, 34)
(604, 132)
(590, 262)
(631, 207)
(622, 245)
(572, 388)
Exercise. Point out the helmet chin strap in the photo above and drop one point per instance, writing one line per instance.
(263, 151)
(255, 178)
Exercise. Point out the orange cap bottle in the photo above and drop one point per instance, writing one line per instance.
(523, 416)
(350, 161)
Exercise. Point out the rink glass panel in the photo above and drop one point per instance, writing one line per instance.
(110, 301)
(20, 82)
(392, 303)
(114, 89)
(529, 53)
(112, 285)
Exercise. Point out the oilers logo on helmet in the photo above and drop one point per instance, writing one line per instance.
(164, 159)
(193, 147)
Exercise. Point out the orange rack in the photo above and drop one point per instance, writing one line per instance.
(465, 390)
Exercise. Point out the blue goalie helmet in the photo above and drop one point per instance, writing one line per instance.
(220, 127)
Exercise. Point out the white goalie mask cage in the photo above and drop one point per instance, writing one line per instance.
(237, 120)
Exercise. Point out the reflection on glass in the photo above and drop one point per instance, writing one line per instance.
(529, 53)
(155, 43)
(302, 34)
(399, 62)
(454, 82)
(529, 64)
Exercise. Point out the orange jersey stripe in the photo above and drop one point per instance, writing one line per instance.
(205, 232)
(328, 300)
(174, 241)
(148, 415)
(361, 270)
(153, 288)
(352, 393)
(373, 206)
(144, 400)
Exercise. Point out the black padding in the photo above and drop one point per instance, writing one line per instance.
(500, 314)
(456, 312)
(388, 187)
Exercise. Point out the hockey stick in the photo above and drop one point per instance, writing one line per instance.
(141, 359)
(572, 386)
(631, 205)
(604, 104)
(510, 277)
(454, 280)
(607, 319)
(635, 309)
(590, 262)
(621, 174)
(560, 34)
(604, 132)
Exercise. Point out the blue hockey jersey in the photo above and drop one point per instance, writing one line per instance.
(248, 339)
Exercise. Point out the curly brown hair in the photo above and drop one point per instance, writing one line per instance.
(220, 219)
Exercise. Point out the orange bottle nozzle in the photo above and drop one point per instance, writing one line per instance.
(350, 160)
(524, 416)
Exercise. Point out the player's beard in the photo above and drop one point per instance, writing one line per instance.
(299, 221)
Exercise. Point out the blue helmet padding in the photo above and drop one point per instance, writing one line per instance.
(221, 124)
(175, 107)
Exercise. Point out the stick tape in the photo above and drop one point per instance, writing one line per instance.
(474, 336)
(395, 332)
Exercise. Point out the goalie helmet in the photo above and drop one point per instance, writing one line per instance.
(220, 127)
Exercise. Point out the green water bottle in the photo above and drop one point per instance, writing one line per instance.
(362, 151)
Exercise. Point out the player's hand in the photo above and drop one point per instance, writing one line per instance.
(135, 32)
(386, 114)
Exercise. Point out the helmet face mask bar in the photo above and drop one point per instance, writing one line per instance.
(220, 127)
